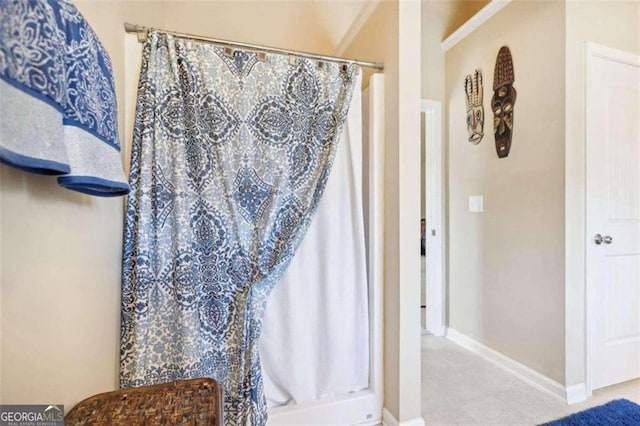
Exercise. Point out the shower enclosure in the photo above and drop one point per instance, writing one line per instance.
(362, 406)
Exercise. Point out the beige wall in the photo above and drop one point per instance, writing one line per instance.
(61, 251)
(439, 19)
(506, 265)
(614, 24)
(432, 56)
(392, 35)
(60, 267)
(314, 26)
(378, 39)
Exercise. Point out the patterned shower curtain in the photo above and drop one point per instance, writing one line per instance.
(230, 156)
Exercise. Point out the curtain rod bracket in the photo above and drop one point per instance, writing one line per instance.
(140, 31)
(142, 36)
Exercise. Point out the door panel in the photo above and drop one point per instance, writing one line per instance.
(624, 180)
(621, 314)
(613, 210)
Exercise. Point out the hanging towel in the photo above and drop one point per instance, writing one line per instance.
(58, 111)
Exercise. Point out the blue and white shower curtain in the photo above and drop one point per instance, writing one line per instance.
(230, 158)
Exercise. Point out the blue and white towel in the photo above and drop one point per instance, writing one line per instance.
(58, 113)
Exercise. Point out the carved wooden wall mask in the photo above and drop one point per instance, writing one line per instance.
(475, 111)
(504, 98)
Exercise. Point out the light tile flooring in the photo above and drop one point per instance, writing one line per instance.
(460, 388)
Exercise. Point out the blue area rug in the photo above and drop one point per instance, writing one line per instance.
(615, 413)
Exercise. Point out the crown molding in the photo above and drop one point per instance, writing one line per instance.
(474, 23)
(357, 24)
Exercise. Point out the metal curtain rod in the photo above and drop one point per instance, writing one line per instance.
(142, 32)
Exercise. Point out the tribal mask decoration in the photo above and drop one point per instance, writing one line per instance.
(475, 110)
(504, 98)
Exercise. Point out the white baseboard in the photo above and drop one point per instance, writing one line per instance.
(576, 393)
(524, 373)
(389, 420)
(440, 331)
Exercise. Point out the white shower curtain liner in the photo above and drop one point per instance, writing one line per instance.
(315, 337)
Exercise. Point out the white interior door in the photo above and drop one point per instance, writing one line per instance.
(613, 215)
(434, 199)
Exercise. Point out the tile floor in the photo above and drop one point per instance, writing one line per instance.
(460, 388)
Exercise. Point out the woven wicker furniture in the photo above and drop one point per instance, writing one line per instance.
(185, 402)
